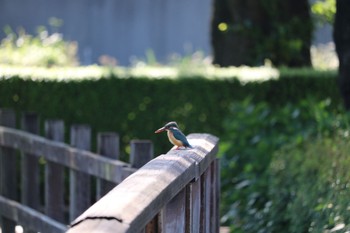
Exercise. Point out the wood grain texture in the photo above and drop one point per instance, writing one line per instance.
(216, 200)
(30, 166)
(195, 206)
(135, 202)
(61, 153)
(107, 146)
(54, 175)
(174, 214)
(141, 152)
(205, 202)
(30, 194)
(80, 182)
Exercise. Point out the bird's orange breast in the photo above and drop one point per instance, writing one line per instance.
(173, 140)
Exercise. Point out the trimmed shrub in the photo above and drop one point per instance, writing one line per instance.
(135, 106)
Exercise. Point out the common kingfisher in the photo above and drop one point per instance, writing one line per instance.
(176, 137)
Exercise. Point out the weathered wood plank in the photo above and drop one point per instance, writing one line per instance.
(208, 192)
(207, 143)
(61, 153)
(28, 217)
(135, 202)
(138, 199)
(54, 175)
(154, 226)
(205, 202)
(80, 183)
(108, 146)
(195, 205)
(174, 214)
(217, 189)
(8, 174)
(30, 194)
(213, 193)
(141, 152)
(100, 225)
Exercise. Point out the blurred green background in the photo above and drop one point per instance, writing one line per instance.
(284, 132)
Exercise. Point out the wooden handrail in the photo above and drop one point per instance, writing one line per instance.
(130, 206)
(29, 217)
(61, 153)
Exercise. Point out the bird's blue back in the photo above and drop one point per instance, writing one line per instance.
(180, 136)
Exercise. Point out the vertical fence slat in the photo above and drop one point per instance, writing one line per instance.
(205, 202)
(174, 214)
(108, 146)
(80, 196)
(208, 192)
(54, 175)
(141, 152)
(188, 208)
(195, 206)
(213, 197)
(154, 225)
(30, 166)
(30, 195)
(217, 189)
(8, 174)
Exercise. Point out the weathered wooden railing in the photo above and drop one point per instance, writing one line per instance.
(174, 193)
(39, 204)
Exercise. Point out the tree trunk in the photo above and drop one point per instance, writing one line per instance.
(246, 32)
(342, 43)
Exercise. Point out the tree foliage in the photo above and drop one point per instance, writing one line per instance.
(43, 49)
(324, 11)
(246, 32)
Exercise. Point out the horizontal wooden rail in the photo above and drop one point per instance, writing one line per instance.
(29, 217)
(69, 181)
(61, 153)
(130, 206)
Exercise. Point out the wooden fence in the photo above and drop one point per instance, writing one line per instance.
(37, 173)
(175, 192)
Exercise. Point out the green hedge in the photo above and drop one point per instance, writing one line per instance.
(135, 106)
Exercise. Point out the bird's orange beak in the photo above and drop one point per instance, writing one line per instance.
(160, 130)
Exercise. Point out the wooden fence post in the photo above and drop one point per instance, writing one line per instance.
(30, 165)
(30, 195)
(54, 175)
(80, 196)
(141, 152)
(108, 146)
(8, 173)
